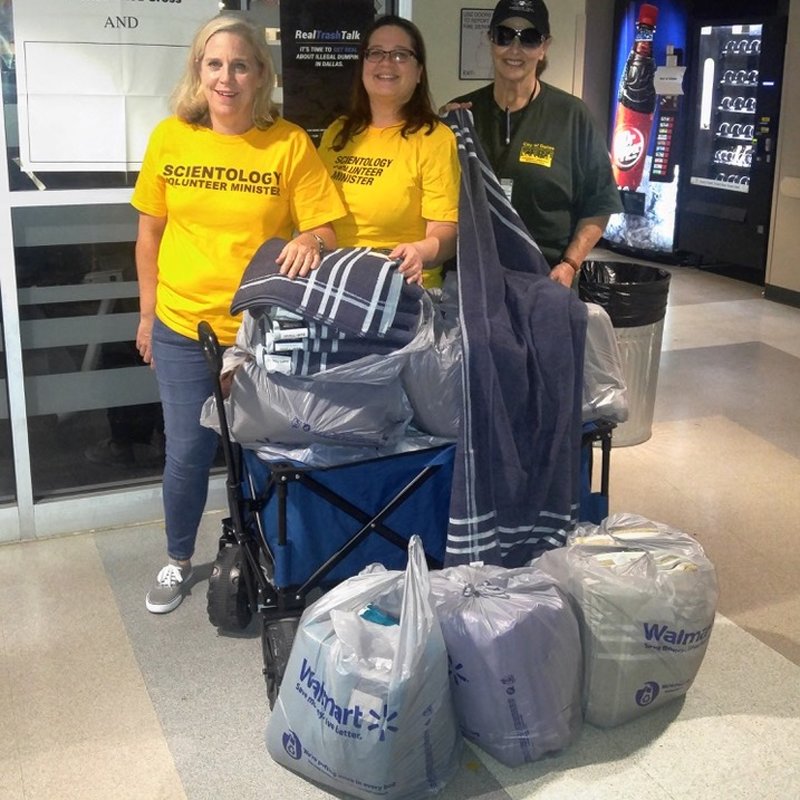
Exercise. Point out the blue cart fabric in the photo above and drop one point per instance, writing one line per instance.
(516, 480)
(318, 528)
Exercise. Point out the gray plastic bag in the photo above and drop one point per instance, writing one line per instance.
(515, 659)
(360, 404)
(646, 597)
(365, 707)
(433, 381)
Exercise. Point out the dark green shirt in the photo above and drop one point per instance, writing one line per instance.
(556, 158)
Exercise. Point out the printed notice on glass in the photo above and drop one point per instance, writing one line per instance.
(320, 42)
(94, 77)
(475, 59)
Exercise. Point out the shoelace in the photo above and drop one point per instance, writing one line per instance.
(169, 576)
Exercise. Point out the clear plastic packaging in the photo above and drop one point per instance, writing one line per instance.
(646, 596)
(515, 659)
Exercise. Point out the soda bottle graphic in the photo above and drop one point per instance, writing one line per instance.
(636, 103)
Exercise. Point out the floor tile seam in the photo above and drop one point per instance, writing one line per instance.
(726, 620)
(787, 344)
(558, 770)
(731, 305)
(642, 765)
(750, 630)
(132, 655)
(659, 419)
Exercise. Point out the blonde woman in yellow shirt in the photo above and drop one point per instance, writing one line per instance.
(219, 178)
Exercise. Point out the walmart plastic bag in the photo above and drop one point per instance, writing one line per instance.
(364, 706)
(515, 659)
(646, 596)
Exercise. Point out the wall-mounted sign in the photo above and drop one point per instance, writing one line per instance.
(319, 51)
(94, 77)
(475, 60)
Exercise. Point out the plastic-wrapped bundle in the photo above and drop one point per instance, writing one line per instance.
(432, 379)
(361, 403)
(646, 596)
(515, 659)
(266, 408)
(365, 705)
(605, 394)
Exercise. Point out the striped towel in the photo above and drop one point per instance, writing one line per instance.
(516, 477)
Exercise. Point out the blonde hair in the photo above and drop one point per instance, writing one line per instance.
(188, 101)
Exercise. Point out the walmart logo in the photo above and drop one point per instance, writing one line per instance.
(383, 722)
(455, 672)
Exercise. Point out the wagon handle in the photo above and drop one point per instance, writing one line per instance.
(210, 344)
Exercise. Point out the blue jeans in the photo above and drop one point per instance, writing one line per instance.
(184, 383)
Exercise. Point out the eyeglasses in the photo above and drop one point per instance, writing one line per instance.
(376, 54)
(503, 36)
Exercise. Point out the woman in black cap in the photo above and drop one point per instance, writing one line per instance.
(541, 141)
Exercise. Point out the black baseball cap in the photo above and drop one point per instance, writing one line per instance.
(535, 11)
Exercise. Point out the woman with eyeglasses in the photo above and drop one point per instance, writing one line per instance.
(394, 162)
(542, 143)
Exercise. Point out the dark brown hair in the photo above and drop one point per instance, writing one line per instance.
(417, 112)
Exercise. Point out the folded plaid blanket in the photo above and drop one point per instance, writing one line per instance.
(357, 290)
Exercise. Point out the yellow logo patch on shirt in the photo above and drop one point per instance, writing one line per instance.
(541, 154)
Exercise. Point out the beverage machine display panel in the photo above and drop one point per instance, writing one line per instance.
(727, 113)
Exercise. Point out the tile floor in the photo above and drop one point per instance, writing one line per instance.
(102, 700)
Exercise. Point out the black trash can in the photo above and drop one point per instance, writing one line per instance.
(635, 297)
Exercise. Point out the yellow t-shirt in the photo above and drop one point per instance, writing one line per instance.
(223, 196)
(392, 185)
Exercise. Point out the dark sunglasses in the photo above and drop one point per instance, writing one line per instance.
(503, 36)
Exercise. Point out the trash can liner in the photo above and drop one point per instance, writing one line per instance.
(646, 597)
(515, 659)
(632, 294)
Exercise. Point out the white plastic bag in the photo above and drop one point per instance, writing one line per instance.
(646, 596)
(515, 659)
(605, 393)
(364, 706)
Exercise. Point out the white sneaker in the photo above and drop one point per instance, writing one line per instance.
(167, 591)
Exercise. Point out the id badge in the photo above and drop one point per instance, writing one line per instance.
(507, 185)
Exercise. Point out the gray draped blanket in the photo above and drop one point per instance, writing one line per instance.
(517, 470)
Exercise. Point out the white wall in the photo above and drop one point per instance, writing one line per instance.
(783, 259)
(440, 20)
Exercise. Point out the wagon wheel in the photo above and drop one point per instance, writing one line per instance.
(228, 603)
(276, 643)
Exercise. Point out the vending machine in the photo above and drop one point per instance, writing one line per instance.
(726, 188)
(702, 80)
(646, 124)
